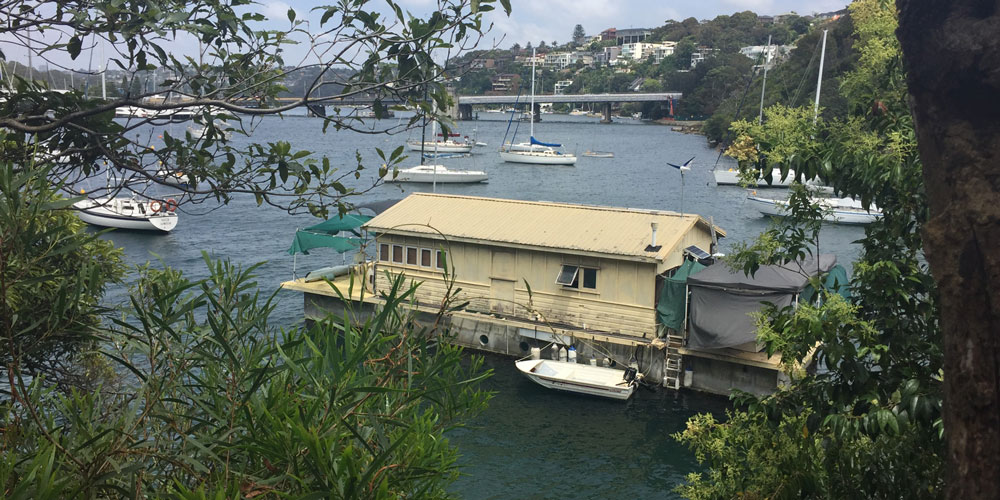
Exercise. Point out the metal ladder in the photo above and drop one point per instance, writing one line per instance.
(673, 368)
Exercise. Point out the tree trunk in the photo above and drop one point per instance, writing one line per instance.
(951, 51)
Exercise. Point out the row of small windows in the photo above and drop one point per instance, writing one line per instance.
(411, 256)
(570, 277)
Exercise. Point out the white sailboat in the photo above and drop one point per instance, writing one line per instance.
(433, 174)
(731, 177)
(129, 213)
(535, 151)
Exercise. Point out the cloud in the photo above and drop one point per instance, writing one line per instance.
(278, 11)
(758, 6)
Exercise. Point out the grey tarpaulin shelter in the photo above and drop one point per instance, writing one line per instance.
(722, 299)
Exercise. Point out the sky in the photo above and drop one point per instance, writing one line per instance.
(553, 20)
(530, 20)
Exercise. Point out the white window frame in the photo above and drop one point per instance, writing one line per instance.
(430, 257)
(437, 259)
(402, 254)
(562, 270)
(388, 252)
(582, 286)
(416, 256)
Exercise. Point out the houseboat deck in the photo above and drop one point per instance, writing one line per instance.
(540, 329)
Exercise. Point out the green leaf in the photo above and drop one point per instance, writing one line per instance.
(74, 46)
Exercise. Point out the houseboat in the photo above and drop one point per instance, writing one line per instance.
(544, 275)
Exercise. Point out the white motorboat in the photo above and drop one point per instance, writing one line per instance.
(223, 129)
(129, 213)
(579, 378)
(446, 146)
(438, 174)
(174, 178)
(538, 157)
(838, 210)
(599, 154)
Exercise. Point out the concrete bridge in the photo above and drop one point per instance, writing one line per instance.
(465, 103)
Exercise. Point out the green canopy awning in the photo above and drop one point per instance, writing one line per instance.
(306, 240)
(673, 296)
(347, 222)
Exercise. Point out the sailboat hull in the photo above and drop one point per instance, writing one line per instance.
(124, 214)
(837, 210)
(427, 174)
(440, 147)
(731, 177)
(537, 158)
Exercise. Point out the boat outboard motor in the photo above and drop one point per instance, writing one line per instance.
(629, 375)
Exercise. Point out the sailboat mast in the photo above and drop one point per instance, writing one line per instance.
(104, 67)
(819, 79)
(434, 175)
(423, 131)
(531, 110)
(763, 85)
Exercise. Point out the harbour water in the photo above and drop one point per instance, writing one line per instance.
(532, 442)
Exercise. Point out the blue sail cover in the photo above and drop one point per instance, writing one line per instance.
(540, 143)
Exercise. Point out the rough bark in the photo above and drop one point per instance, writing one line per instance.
(951, 52)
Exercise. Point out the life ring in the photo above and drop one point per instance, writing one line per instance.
(155, 205)
(171, 204)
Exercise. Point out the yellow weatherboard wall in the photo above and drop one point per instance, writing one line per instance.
(495, 246)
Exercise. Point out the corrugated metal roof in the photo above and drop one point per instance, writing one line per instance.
(584, 228)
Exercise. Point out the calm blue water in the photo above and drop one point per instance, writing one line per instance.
(532, 442)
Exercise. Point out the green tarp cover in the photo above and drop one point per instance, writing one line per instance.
(836, 281)
(306, 240)
(673, 300)
(347, 222)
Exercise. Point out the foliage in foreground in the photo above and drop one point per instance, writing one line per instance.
(867, 423)
(201, 396)
(217, 403)
(52, 277)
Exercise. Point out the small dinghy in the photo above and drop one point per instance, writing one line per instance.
(579, 378)
(599, 154)
(129, 213)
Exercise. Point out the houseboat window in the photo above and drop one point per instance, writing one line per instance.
(567, 277)
(590, 278)
(411, 256)
(425, 257)
(383, 252)
(441, 260)
(397, 253)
